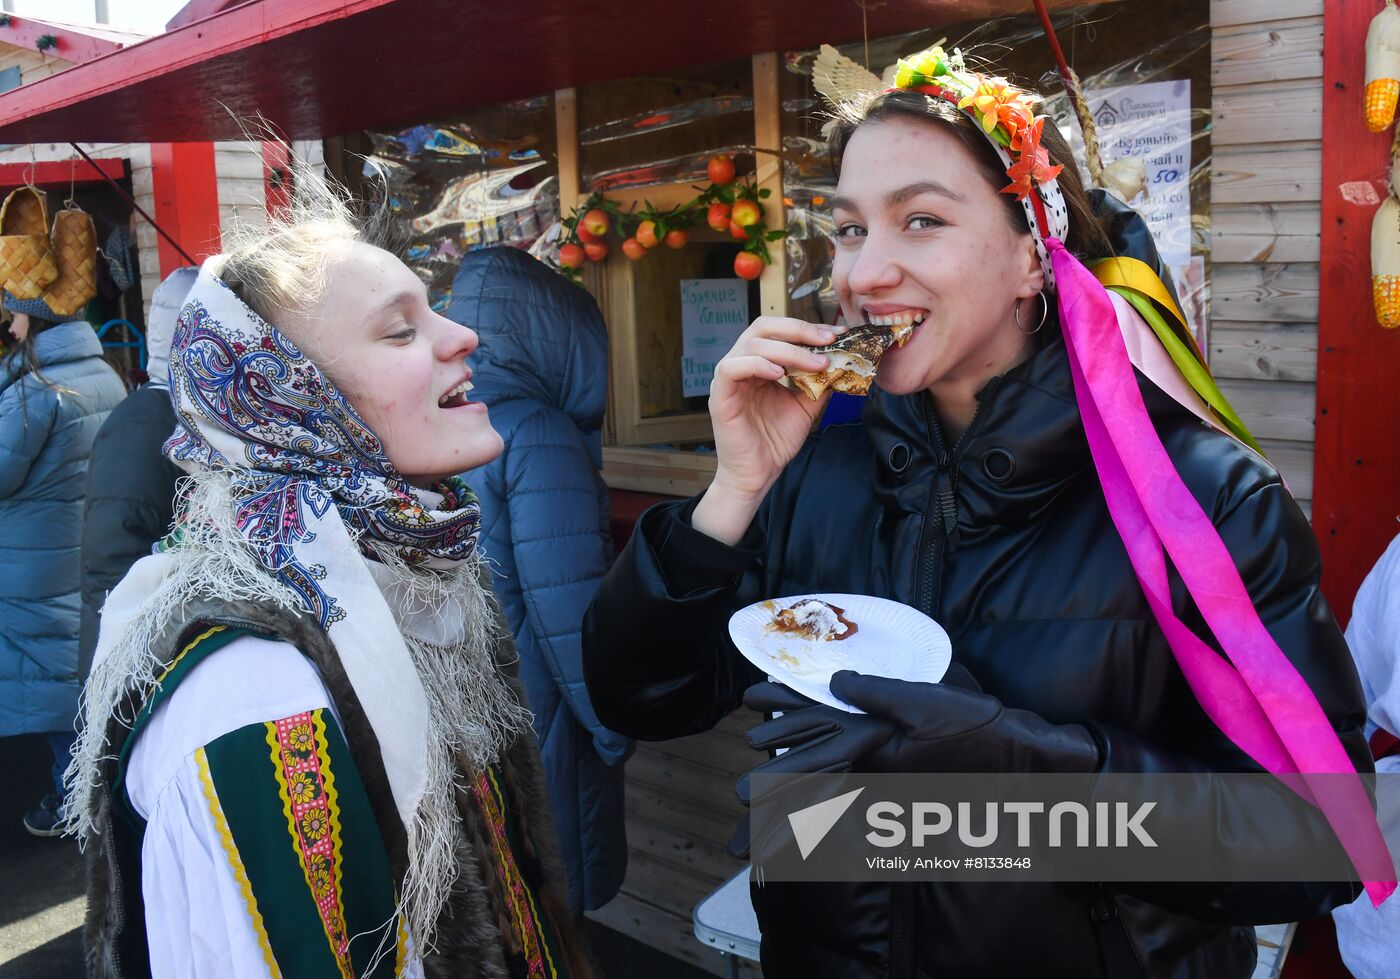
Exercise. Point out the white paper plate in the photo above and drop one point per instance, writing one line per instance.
(892, 640)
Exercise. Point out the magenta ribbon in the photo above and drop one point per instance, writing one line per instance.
(1258, 699)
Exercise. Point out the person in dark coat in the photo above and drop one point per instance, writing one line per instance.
(55, 392)
(543, 371)
(130, 484)
(971, 494)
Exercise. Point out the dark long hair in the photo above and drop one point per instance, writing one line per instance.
(23, 360)
(1087, 238)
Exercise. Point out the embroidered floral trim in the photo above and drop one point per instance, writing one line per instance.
(303, 769)
(520, 902)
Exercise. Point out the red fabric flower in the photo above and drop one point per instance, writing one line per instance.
(1032, 162)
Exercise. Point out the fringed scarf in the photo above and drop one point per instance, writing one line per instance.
(292, 501)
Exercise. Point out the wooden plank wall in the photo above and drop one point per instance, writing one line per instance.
(238, 168)
(1266, 144)
(681, 811)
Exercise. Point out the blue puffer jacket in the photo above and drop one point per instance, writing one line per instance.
(542, 368)
(46, 431)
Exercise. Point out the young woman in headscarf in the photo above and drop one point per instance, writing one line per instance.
(1015, 480)
(306, 750)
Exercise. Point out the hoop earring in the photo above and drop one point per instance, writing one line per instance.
(1044, 313)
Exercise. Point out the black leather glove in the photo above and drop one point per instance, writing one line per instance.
(912, 727)
(808, 730)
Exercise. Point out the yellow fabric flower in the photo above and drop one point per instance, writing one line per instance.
(318, 872)
(921, 68)
(301, 739)
(302, 787)
(929, 62)
(315, 824)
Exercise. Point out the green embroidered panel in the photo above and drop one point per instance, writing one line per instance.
(306, 835)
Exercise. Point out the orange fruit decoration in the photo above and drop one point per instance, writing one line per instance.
(720, 169)
(718, 216)
(745, 213)
(676, 238)
(747, 265)
(571, 256)
(596, 222)
(633, 249)
(646, 234)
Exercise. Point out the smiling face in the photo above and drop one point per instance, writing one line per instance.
(923, 234)
(401, 366)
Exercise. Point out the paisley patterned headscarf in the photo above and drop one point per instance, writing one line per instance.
(251, 404)
(281, 459)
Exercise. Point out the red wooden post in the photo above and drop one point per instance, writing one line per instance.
(187, 200)
(1356, 465)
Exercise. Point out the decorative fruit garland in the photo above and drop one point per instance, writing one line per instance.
(723, 204)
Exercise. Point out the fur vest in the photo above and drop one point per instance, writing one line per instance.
(469, 939)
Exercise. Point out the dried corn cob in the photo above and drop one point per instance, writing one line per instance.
(1381, 97)
(1385, 263)
(1382, 67)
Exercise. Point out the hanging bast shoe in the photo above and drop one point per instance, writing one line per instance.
(27, 264)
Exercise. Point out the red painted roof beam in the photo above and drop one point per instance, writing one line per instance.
(318, 68)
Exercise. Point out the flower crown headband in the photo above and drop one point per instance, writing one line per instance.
(1005, 115)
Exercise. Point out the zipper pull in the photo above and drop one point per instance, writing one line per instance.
(947, 503)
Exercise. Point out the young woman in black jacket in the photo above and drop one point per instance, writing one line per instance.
(970, 492)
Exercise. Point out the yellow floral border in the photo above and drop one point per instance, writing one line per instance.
(332, 815)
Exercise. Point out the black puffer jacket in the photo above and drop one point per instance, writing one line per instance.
(129, 503)
(1006, 540)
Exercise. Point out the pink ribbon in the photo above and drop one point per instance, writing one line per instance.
(1258, 699)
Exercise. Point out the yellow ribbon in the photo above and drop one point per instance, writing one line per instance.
(1135, 281)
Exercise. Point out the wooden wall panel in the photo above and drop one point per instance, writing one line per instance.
(1265, 292)
(1248, 53)
(1267, 113)
(1235, 13)
(1265, 232)
(1261, 174)
(1266, 189)
(1264, 351)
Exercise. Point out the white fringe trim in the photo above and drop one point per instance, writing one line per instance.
(472, 710)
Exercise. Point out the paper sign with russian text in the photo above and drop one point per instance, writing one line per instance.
(713, 314)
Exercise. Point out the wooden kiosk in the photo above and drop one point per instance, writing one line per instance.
(1287, 326)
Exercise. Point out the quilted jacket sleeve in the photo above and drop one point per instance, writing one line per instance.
(27, 414)
(560, 553)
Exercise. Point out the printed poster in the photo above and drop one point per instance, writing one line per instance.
(1152, 122)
